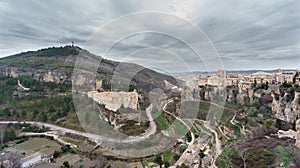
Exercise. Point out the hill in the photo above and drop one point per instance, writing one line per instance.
(56, 65)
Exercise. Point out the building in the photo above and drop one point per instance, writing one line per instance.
(31, 160)
(245, 81)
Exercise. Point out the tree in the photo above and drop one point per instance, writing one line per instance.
(51, 109)
(53, 117)
(56, 154)
(267, 85)
(6, 112)
(14, 111)
(176, 157)
(35, 113)
(24, 113)
(188, 136)
(66, 164)
(66, 109)
(201, 154)
(58, 113)
(9, 135)
(158, 160)
(255, 83)
(65, 148)
(167, 164)
(43, 117)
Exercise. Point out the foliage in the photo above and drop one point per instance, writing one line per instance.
(56, 154)
(124, 87)
(167, 156)
(131, 128)
(289, 154)
(34, 105)
(158, 160)
(9, 134)
(287, 85)
(21, 140)
(65, 148)
(66, 164)
(224, 160)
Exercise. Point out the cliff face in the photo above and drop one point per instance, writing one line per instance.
(114, 100)
(56, 65)
(286, 110)
(60, 75)
(234, 94)
(298, 133)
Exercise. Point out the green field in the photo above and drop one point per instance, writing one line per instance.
(180, 129)
(161, 122)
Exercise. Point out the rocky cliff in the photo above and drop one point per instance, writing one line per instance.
(286, 110)
(114, 100)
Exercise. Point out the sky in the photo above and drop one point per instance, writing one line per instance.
(245, 34)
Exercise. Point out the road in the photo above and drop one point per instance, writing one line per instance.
(152, 129)
(217, 145)
(179, 119)
(95, 137)
(24, 88)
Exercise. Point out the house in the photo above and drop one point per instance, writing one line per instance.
(31, 160)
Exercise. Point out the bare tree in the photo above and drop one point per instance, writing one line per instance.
(244, 155)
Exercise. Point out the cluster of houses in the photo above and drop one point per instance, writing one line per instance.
(11, 160)
(249, 80)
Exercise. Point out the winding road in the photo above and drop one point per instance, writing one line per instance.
(179, 119)
(94, 137)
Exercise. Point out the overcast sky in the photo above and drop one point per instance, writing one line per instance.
(247, 34)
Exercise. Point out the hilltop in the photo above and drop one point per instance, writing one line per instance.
(55, 64)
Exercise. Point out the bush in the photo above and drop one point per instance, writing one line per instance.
(56, 154)
(66, 164)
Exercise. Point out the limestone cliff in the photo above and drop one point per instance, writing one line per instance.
(114, 100)
(298, 134)
(286, 110)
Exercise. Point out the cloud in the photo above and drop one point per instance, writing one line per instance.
(246, 35)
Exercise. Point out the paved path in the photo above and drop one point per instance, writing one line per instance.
(24, 88)
(94, 137)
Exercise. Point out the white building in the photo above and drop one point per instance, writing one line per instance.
(31, 160)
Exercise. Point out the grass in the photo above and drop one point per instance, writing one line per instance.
(161, 122)
(42, 145)
(180, 130)
(72, 141)
(130, 128)
(224, 160)
(167, 156)
(285, 154)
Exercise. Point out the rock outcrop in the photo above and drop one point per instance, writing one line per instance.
(56, 76)
(114, 100)
(288, 111)
(285, 110)
(298, 134)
